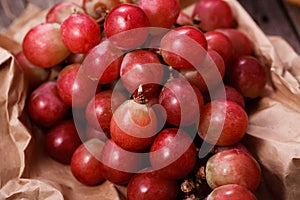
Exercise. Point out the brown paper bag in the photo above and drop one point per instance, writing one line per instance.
(26, 171)
(273, 133)
(274, 127)
(273, 136)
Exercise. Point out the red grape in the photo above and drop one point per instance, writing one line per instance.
(229, 93)
(221, 44)
(85, 162)
(43, 46)
(233, 167)
(117, 164)
(173, 154)
(74, 87)
(100, 109)
(247, 76)
(80, 33)
(241, 44)
(103, 63)
(161, 13)
(125, 26)
(184, 47)
(62, 140)
(209, 75)
(231, 192)
(149, 186)
(133, 126)
(213, 14)
(223, 123)
(144, 68)
(45, 106)
(181, 101)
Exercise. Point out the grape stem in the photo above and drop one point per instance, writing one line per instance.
(140, 98)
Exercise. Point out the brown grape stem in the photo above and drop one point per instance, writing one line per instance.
(140, 98)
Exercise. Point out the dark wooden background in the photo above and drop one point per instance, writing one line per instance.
(275, 17)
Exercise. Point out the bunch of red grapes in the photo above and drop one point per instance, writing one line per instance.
(143, 95)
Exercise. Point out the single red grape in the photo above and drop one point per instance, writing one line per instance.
(223, 123)
(43, 46)
(150, 186)
(248, 76)
(80, 33)
(133, 126)
(213, 14)
(126, 26)
(221, 44)
(233, 167)
(231, 192)
(142, 67)
(74, 87)
(62, 140)
(161, 13)
(184, 47)
(85, 163)
(117, 164)
(182, 102)
(45, 106)
(173, 154)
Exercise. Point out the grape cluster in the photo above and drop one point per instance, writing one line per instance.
(143, 95)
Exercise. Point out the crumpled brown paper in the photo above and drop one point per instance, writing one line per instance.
(273, 133)
(26, 172)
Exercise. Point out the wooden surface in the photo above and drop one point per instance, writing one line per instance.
(275, 17)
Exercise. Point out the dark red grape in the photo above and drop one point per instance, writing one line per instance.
(62, 140)
(248, 76)
(45, 106)
(223, 123)
(213, 14)
(126, 26)
(144, 68)
(117, 164)
(161, 13)
(231, 192)
(173, 154)
(184, 47)
(85, 163)
(80, 33)
(74, 87)
(182, 102)
(150, 186)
